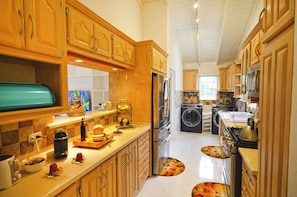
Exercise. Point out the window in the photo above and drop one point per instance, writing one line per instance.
(208, 87)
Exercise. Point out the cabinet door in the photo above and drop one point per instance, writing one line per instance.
(133, 164)
(72, 190)
(155, 59)
(123, 51)
(80, 30)
(255, 49)
(12, 29)
(45, 24)
(189, 80)
(223, 75)
(279, 14)
(90, 184)
(275, 114)
(108, 174)
(103, 43)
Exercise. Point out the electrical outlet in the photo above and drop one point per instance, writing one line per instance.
(32, 136)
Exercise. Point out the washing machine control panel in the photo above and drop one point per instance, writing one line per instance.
(192, 105)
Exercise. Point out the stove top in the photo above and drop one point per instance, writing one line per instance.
(235, 132)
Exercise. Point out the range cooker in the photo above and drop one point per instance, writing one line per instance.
(232, 166)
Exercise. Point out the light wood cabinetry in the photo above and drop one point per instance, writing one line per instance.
(36, 26)
(245, 62)
(190, 80)
(95, 41)
(223, 74)
(159, 61)
(123, 51)
(127, 175)
(278, 15)
(88, 35)
(100, 182)
(230, 73)
(143, 159)
(73, 190)
(248, 182)
(256, 48)
(275, 114)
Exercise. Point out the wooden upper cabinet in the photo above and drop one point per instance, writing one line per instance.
(88, 35)
(36, 26)
(159, 61)
(278, 15)
(123, 51)
(223, 75)
(256, 48)
(190, 80)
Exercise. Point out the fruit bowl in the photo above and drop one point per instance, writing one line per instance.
(34, 164)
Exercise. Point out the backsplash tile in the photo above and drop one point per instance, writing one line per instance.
(10, 137)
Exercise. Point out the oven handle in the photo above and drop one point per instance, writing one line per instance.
(164, 141)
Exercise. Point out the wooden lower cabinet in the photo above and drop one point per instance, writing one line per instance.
(143, 159)
(248, 182)
(127, 176)
(73, 190)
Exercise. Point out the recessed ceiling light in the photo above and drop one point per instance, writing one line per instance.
(114, 69)
(196, 5)
(78, 60)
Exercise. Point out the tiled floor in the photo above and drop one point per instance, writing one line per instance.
(198, 167)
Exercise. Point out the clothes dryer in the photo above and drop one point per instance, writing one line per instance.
(191, 117)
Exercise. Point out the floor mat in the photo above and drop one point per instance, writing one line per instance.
(214, 151)
(170, 166)
(210, 189)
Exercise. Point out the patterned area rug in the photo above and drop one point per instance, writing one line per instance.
(214, 151)
(210, 189)
(170, 166)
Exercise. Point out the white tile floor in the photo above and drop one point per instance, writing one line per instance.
(198, 167)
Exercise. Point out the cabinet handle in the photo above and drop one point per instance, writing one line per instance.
(260, 16)
(105, 178)
(22, 20)
(78, 191)
(130, 157)
(100, 179)
(32, 21)
(257, 51)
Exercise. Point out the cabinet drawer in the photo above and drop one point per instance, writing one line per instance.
(143, 176)
(143, 163)
(142, 139)
(144, 149)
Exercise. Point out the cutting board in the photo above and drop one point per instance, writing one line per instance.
(89, 143)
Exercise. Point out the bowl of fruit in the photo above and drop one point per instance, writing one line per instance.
(34, 164)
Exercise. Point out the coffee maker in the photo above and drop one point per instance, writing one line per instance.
(60, 144)
(10, 174)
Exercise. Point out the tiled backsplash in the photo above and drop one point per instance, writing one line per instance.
(14, 136)
(222, 98)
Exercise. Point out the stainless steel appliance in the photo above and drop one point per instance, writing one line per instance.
(191, 117)
(160, 120)
(215, 115)
(60, 144)
(232, 166)
(253, 80)
(10, 174)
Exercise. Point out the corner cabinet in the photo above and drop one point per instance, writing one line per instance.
(127, 180)
(190, 80)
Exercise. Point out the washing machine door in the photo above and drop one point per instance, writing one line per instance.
(191, 117)
(216, 118)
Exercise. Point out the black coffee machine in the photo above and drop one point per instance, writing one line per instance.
(60, 144)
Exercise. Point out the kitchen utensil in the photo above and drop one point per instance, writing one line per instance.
(248, 133)
(10, 174)
(60, 144)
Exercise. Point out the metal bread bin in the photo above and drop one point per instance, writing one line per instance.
(16, 96)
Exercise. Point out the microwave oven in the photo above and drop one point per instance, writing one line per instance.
(253, 81)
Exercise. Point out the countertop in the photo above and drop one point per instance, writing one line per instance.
(37, 184)
(250, 157)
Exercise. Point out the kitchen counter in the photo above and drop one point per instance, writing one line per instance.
(64, 119)
(250, 156)
(225, 116)
(37, 184)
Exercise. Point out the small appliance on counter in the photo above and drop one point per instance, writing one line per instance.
(10, 174)
(60, 144)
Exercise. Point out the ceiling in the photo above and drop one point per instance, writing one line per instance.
(221, 27)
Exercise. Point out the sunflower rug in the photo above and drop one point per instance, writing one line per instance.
(214, 151)
(210, 189)
(170, 167)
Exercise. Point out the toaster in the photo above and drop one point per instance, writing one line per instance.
(10, 174)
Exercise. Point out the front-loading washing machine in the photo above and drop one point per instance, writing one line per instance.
(191, 117)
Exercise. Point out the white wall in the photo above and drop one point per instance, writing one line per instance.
(124, 15)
